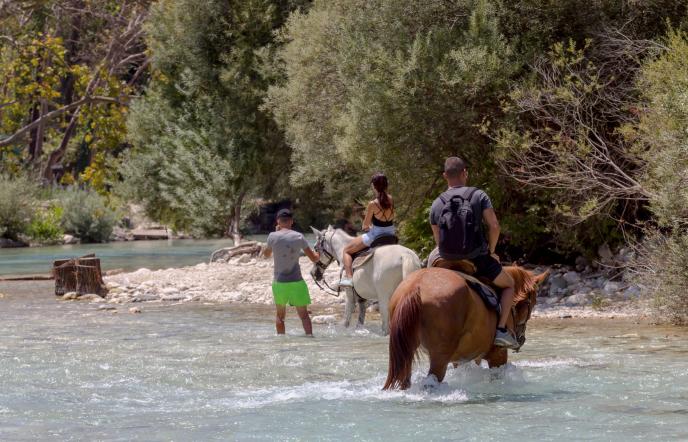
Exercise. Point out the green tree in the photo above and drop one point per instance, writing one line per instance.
(661, 138)
(388, 85)
(67, 69)
(202, 145)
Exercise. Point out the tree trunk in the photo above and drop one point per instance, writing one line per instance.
(33, 135)
(235, 220)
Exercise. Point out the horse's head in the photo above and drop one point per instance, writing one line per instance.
(525, 298)
(323, 245)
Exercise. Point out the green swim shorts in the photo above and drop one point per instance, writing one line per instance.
(293, 293)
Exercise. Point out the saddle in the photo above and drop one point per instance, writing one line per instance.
(483, 288)
(360, 258)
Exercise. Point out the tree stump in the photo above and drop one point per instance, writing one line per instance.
(80, 275)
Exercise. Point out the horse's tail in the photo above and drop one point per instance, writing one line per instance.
(409, 264)
(404, 339)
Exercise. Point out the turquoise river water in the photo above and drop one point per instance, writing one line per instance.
(69, 371)
(126, 255)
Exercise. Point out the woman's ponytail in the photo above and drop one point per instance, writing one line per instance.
(379, 181)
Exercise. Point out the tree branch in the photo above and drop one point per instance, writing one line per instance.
(53, 114)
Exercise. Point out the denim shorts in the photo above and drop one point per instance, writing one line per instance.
(376, 232)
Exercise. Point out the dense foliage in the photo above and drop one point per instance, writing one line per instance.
(86, 215)
(17, 206)
(203, 146)
(67, 69)
(569, 112)
(386, 85)
(661, 137)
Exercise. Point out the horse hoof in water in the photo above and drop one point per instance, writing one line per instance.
(430, 382)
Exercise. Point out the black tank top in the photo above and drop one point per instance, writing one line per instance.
(380, 223)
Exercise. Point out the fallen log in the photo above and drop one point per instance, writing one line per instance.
(27, 278)
(251, 248)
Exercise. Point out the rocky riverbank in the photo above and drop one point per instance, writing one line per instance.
(568, 292)
(243, 280)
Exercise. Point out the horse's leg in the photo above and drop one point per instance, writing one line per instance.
(362, 303)
(438, 368)
(383, 303)
(349, 308)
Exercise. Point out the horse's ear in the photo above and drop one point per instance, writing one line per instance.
(539, 279)
(316, 231)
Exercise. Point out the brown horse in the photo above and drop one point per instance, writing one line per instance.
(435, 309)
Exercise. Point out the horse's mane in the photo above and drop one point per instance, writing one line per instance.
(525, 282)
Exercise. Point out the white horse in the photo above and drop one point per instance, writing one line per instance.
(376, 279)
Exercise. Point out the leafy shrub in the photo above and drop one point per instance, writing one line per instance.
(660, 266)
(87, 216)
(17, 205)
(46, 226)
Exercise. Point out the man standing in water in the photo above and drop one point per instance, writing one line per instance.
(288, 286)
(457, 218)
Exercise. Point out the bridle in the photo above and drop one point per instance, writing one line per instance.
(520, 328)
(323, 263)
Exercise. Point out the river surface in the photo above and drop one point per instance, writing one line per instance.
(69, 371)
(126, 255)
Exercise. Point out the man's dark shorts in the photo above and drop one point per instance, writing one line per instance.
(486, 266)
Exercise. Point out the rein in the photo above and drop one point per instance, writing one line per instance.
(321, 266)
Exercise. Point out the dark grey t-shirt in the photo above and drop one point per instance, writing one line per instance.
(286, 248)
(479, 197)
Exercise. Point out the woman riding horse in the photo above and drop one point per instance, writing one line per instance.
(435, 309)
(378, 221)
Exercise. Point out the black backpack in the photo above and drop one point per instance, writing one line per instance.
(460, 224)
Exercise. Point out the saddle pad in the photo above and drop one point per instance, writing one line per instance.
(362, 258)
(487, 293)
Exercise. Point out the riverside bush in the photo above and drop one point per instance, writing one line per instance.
(661, 267)
(87, 216)
(17, 205)
(46, 226)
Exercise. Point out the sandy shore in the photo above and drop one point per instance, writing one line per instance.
(249, 282)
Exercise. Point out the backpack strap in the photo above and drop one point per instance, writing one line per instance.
(444, 197)
(470, 194)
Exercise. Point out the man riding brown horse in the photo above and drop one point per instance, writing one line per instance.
(457, 218)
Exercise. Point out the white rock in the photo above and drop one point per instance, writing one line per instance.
(576, 300)
(552, 300)
(557, 281)
(70, 295)
(632, 292)
(70, 239)
(169, 291)
(611, 287)
(605, 253)
(572, 278)
(111, 285)
(134, 310)
(243, 259)
(555, 292)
